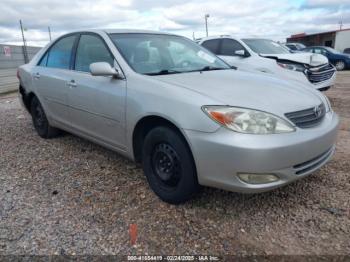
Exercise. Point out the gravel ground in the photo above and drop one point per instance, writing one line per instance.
(69, 196)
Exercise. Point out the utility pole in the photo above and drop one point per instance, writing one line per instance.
(206, 23)
(25, 54)
(340, 25)
(49, 32)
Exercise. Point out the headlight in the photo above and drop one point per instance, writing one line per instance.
(247, 121)
(294, 67)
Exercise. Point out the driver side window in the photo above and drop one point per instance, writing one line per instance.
(229, 47)
(91, 49)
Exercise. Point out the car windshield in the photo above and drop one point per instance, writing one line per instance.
(265, 46)
(157, 54)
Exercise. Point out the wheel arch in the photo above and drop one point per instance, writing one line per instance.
(27, 97)
(146, 124)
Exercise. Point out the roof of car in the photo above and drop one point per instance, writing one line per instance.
(122, 31)
(318, 46)
(215, 37)
(230, 36)
(115, 31)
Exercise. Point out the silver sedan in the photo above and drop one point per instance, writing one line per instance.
(183, 113)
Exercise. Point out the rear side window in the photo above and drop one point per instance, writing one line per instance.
(91, 49)
(43, 61)
(229, 46)
(212, 45)
(60, 53)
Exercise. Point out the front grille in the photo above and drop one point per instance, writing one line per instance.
(310, 165)
(320, 74)
(308, 117)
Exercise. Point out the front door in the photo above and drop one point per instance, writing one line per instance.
(227, 52)
(97, 103)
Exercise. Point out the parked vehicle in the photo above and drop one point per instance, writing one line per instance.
(347, 50)
(267, 56)
(183, 113)
(340, 60)
(295, 46)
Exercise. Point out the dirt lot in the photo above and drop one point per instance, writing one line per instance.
(69, 196)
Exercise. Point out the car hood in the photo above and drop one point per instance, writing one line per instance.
(244, 89)
(304, 58)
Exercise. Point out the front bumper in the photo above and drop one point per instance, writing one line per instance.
(302, 78)
(220, 156)
(324, 85)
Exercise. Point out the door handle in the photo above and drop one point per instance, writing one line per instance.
(72, 84)
(36, 75)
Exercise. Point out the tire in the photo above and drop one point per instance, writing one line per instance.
(340, 65)
(40, 122)
(168, 165)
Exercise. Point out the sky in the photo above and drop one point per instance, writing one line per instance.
(273, 19)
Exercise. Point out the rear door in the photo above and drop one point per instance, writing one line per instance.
(97, 103)
(50, 77)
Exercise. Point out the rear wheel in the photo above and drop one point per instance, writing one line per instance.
(340, 65)
(40, 122)
(168, 165)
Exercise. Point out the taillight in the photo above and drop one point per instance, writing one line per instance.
(18, 74)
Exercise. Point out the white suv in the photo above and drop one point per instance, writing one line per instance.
(267, 56)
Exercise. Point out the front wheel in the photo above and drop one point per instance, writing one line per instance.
(168, 165)
(340, 65)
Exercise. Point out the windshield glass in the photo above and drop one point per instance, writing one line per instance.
(155, 54)
(265, 46)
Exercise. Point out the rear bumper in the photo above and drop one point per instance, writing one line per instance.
(220, 156)
(22, 98)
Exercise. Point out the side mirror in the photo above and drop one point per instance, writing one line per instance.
(103, 69)
(240, 53)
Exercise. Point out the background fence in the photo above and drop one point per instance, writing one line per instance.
(12, 57)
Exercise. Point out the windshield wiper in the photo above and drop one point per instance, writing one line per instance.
(210, 68)
(170, 71)
(164, 72)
